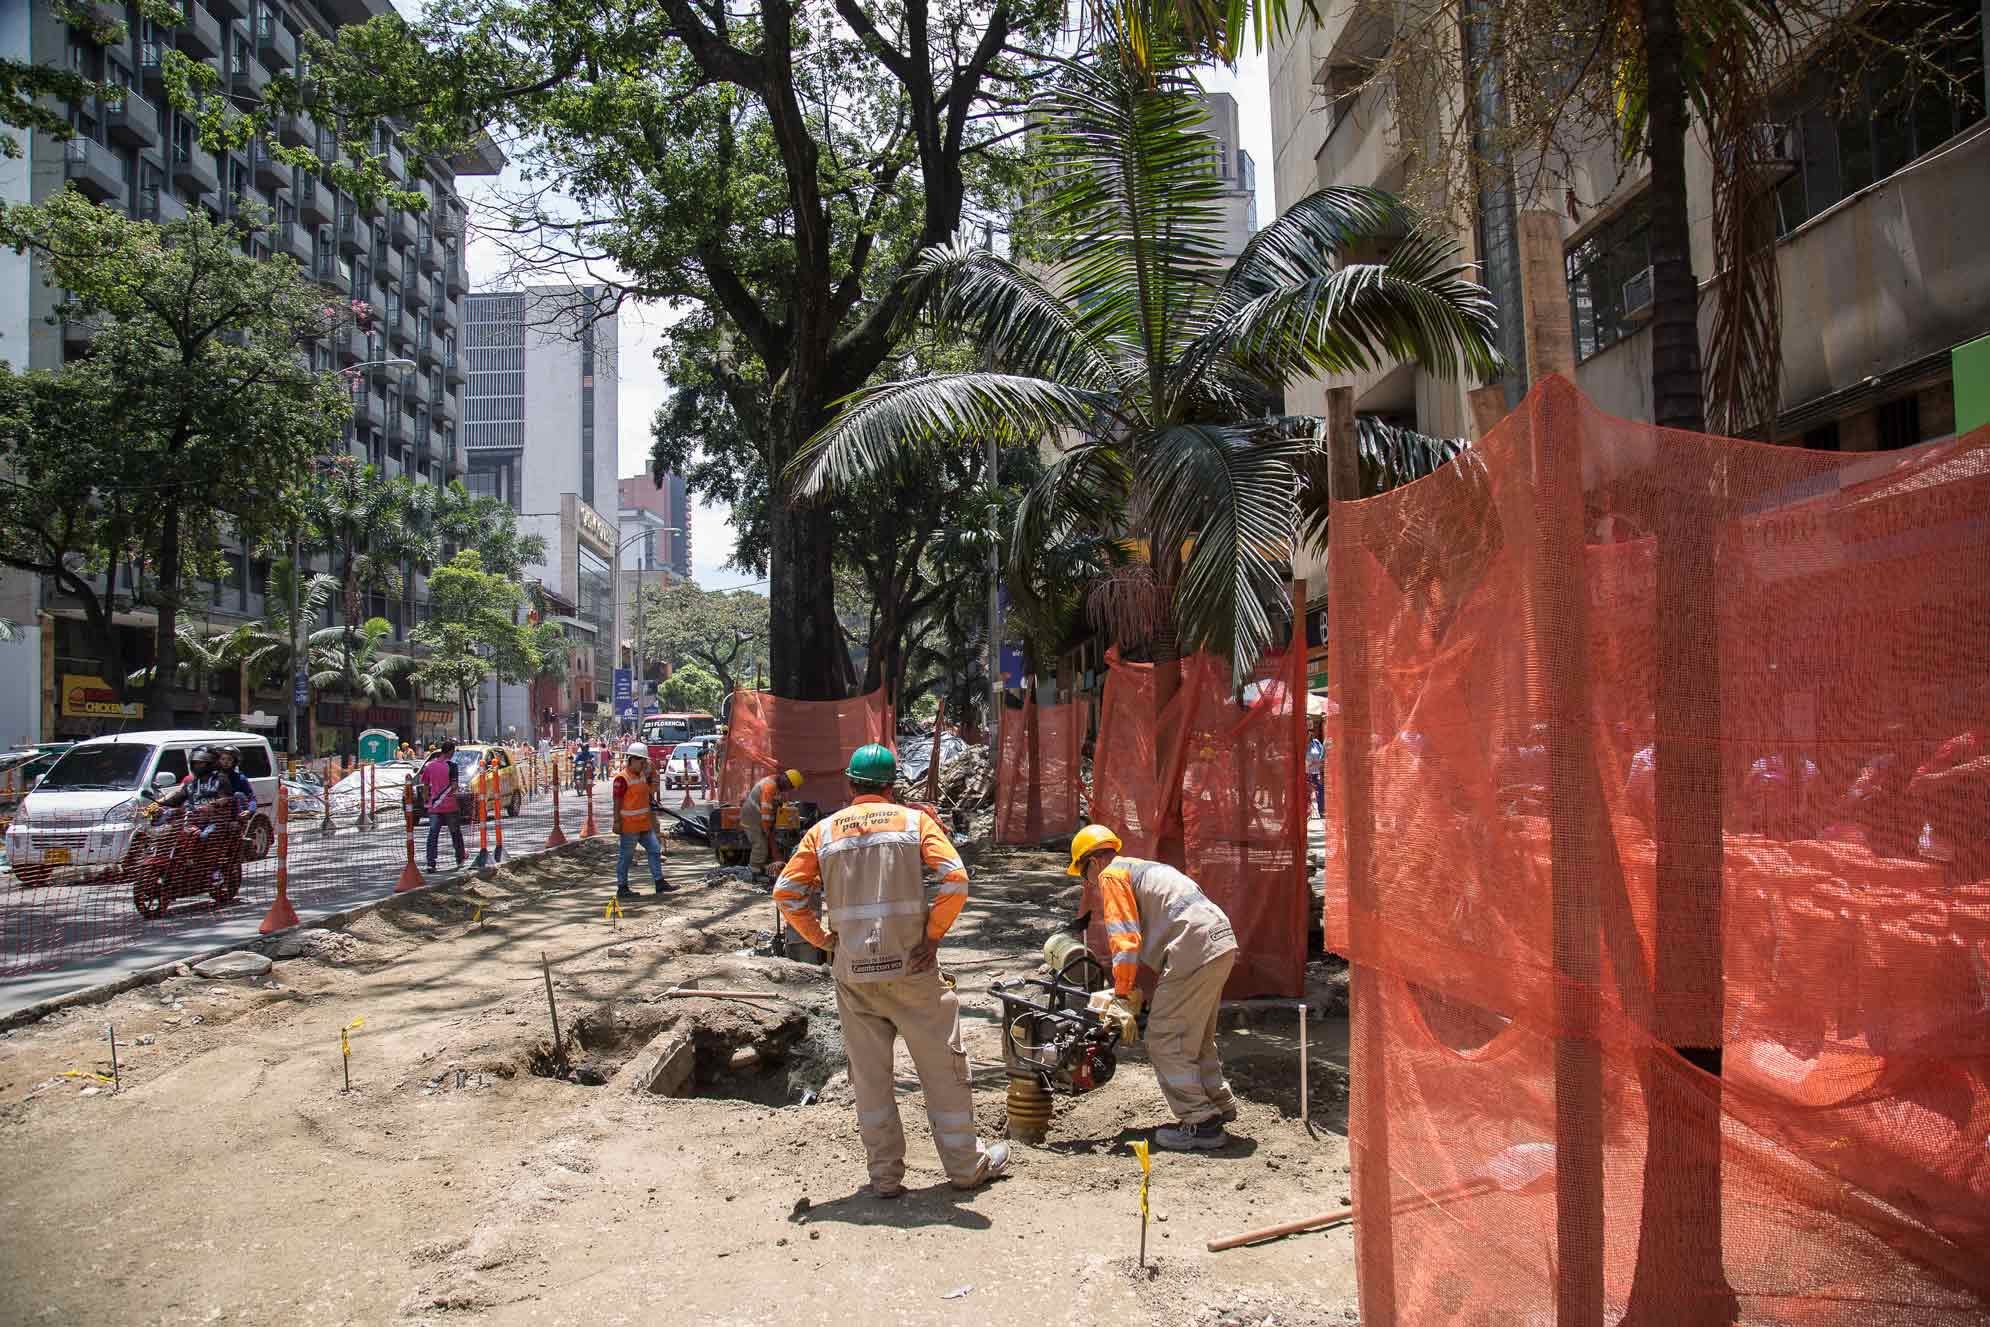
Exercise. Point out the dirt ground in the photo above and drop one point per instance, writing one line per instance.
(232, 1180)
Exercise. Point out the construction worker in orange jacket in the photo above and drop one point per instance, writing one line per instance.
(864, 866)
(1156, 916)
(757, 810)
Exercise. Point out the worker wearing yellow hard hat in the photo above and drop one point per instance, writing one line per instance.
(756, 814)
(1157, 916)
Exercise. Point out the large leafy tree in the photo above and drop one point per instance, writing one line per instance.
(726, 631)
(472, 631)
(692, 689)
(193, 415)
(1156, 367)
(775, 163)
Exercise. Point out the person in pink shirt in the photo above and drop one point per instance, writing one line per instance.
(438, 781)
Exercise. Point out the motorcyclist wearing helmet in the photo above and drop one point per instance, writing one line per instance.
(204, 784)
(230, 758)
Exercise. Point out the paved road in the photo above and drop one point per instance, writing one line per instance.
(89, 933)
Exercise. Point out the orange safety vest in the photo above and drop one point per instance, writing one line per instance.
(636, 816)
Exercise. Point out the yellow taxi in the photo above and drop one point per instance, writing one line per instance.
(490, 771)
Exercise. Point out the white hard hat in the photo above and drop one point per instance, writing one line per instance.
(637, 749)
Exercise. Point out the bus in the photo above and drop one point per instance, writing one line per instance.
(662, 732)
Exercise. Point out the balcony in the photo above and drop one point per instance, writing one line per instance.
(95, 169)
(295, 239)
(246, 78)
(366, 409)
(425, 346)
(446, 313)
(317, 203)
(396, 429)
(157, 205)
(227, 9)
(198, 32)
(328, 144)
(452, 367)
(193, 165)
(1362, 147)
(77, 331)
(397, 162)
(401, 332)
(452, 276)
(347, 230)
(271, 174)
(130, 119)
(275, 46)
(428, 253)
(403, 223)
(348, 345)
(442, 408)
(419, 291)
(151, 61)
(297, 129)
(382, 256)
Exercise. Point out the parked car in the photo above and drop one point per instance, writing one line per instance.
(81, 815)
(22, 768)
(681, 770)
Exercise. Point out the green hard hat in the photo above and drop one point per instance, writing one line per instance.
(872, 764)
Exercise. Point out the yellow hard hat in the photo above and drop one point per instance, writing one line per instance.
(794, 778)
(1088, 841)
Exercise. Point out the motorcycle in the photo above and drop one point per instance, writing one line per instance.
(198, 851)
(583, 776)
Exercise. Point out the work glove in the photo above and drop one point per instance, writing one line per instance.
(1123, 1013)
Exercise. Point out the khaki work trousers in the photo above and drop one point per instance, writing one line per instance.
(761, 841)
(927, 1014)
(1181, 1040)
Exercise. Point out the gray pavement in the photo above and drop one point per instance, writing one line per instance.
(95, 936)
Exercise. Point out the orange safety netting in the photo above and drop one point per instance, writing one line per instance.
(767, 733)
(1240, 765)
(1651, 743)
(1037, 798)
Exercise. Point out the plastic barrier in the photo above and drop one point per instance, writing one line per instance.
(1035, 799)
(1655, 747)
(768, 734)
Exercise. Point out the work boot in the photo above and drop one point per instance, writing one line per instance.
(994, 1162)
(1202, 1136)
(623, 891)
(884, 1191)
(1228, 1116)
(665, 887)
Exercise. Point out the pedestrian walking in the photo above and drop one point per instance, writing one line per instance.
(864, 866)
(1158, 917)
(635, 804)
(441, 800)
(1316, 770)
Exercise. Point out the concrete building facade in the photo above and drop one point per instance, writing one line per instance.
(136, 154)
(540, 433)
(1238, 220)
(1884, 283)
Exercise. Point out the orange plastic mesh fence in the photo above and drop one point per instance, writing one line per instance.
(1125, 792)
(767, 734)
(1669, 742)
(1242, 771)
(1035, 799)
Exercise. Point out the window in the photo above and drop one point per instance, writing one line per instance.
(1616, 254)
(173, 761)
(255, 760)
(1898, 423)
(1843, 141)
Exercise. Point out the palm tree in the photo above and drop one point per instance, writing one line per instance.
(1159, 370)
(203, 652)
(357, 665)
(373, 528)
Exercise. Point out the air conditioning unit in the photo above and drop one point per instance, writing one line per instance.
(1637, 297)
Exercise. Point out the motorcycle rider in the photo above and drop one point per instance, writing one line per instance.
(207, 786)
(230, 759)
(583, 766)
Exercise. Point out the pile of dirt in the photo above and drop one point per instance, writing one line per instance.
(965, 783)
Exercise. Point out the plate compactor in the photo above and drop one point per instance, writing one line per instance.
(1053, 1039)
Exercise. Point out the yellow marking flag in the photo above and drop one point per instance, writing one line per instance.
(614, 909)
(1146, 1172)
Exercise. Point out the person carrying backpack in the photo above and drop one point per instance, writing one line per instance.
(439, 796)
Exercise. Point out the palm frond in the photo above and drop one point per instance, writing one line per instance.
(1085, 489)
(1227, 492)
(1418, 305)
(1389, 458)
(1013, 315)
(1309, 238)
(878, 426)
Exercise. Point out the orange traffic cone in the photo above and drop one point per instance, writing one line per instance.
(556, 838)
(411, 877)
(281, 915)
(589, 831)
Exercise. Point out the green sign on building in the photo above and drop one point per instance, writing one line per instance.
(1969, 365)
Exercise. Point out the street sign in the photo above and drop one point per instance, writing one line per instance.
(625, 692)
(303, 688)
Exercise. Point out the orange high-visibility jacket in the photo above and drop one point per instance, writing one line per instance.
(760, 797)
(863, 865)
(632, 801)
(1156, 915)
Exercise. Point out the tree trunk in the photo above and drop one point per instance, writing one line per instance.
(1675, 322)
(1678, 1276)
(804, 638)
(166, 643)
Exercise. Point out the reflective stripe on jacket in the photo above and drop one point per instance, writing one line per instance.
(1157, 916)
(863, 866)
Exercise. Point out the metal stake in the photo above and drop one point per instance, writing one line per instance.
(117, 1079)
(559, 1049)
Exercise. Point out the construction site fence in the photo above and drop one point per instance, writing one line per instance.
(1038, 783)
(81, 886)
(1659, 840)
(1234, 795)
(768, 734)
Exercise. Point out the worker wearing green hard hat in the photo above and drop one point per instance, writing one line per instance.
(873, 765)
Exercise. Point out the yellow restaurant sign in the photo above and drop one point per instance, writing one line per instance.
(88, 697)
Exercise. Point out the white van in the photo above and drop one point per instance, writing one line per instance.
(81, 814)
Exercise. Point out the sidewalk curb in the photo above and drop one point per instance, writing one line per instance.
(98, 994)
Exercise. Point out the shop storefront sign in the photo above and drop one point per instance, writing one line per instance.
(88, 697)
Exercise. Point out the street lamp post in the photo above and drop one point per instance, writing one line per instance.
(299, 673)
(641, 534)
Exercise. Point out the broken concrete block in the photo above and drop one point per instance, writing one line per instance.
(236, 963)
(662, 1068)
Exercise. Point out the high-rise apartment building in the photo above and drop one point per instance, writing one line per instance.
(1238, 206)
(135, 153)
(662, 513)
(540, 433)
